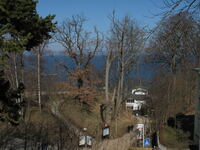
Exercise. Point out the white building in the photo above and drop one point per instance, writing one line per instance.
(137, 99)
(139, 91)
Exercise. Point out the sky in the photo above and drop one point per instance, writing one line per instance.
(98, 11)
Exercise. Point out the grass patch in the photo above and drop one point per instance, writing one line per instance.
(83, 117)
(38, 117)
(79, 115)
(174, 138)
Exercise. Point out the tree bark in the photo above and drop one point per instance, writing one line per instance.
(15, 70)
(38, 78)
(107, 78)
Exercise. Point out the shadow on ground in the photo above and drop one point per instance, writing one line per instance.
(186, 123)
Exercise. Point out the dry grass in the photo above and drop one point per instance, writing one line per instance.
(119, 126)
(40, 117)
(78, 114)
(82, 117)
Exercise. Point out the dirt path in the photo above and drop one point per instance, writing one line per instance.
(122, 143)
(55, 110)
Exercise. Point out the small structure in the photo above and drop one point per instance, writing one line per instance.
(85, 141)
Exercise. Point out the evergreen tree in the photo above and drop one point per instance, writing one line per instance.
(9, 105)
(21, 28)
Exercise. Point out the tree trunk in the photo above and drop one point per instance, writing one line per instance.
(118, 99)
(22, 112)
(38, 78)
(80, 82)
(15, 70)
(22, 67)
(107, 79)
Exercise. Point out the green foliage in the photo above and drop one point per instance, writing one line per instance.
(10, 105)
(21, 28)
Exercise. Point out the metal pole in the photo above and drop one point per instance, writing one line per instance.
(143, 136)
(85, 140)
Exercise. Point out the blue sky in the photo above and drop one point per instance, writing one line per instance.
(97, 11)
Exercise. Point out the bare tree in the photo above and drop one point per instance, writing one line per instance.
(172, 45)
(192, 8)
(126, 39)
(79, 45)
(195, 47)
(173, 49)
(175, 6)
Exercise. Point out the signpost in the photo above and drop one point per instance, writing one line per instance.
(105, 131)
(82, 141)
(140, 131)
(85, 140)
(146, 142)
(89, 141)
